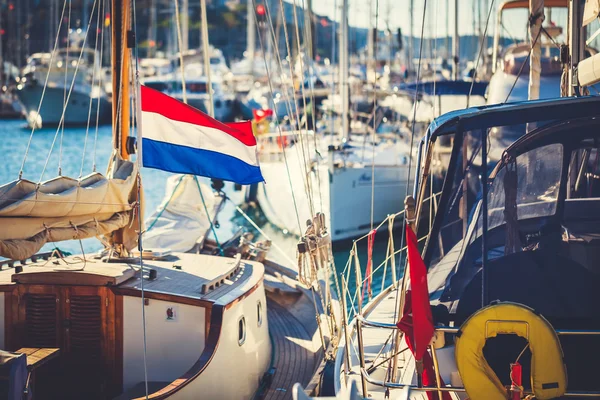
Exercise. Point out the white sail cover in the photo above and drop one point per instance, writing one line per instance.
(181, 220)
(63, 208)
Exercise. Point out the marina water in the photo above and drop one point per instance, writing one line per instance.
(52, 148)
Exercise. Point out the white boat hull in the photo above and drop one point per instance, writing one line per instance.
(52, 107)
(343, 195)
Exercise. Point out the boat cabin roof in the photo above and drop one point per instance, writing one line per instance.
(195, 279)
(522, 112)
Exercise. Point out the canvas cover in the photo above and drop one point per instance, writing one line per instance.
(181, 220)
(64, 208)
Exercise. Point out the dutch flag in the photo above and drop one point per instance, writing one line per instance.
(179, 138)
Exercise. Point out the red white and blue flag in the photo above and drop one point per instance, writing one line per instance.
(181, 139)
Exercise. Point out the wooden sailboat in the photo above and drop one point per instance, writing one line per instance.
(134, 324)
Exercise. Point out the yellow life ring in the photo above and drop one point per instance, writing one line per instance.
(548, 373)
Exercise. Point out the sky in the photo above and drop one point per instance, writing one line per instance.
(439, 14)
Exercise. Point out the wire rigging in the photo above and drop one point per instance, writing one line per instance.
(52, 55)
(481, 46)
(267, 69)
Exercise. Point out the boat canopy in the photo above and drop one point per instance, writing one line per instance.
(490, 116)
(550, 179)
(63, 208)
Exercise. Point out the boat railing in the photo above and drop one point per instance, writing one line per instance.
(362, 322)
(360, 283)
(359, 287)
(271, 146)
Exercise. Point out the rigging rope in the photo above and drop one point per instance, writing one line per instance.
(139, 189)
(62, 117)
(303, 162)
(267, 69)
(65, 104)
(399, 291)
(33, 126)
(523, 66)
(87, 128)
(302, 91)
(374, 110)
(481, 46)
(100, 81)
(308, 40)
(180, 44)
(212, 226)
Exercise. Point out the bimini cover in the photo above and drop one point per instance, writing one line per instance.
(63, 208)
(180, 221)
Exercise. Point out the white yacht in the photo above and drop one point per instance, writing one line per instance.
(79, 82)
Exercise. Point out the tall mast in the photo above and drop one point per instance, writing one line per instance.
(311, 47)
(575, 40)
(411, 39)
(152, 30)
(370, 40)
(205, 48)
(250, 35)
(536, 10)
(121, 22)
(185, 31)
(344, 60)
(455, 44)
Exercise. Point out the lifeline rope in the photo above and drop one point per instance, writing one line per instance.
(87, 128)
(33, 126)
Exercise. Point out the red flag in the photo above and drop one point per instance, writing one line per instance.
(422, 321)
(406, 326)
(417, 321)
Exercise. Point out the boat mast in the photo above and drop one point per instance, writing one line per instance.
(152, 30)
(344, 60)
(121, 22)
(185, 31)
(250, 35)
(576, 46)
(411, 40)
(205, 48)
(455, 44)
(370, 42)
(536, 11)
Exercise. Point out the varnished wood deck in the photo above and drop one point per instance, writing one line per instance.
(293, 358)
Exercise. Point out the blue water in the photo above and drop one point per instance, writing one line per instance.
(74, 162)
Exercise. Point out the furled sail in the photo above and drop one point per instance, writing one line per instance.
(63, 208)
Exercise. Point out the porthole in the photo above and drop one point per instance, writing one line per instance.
(259, 315)
(241, 331)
